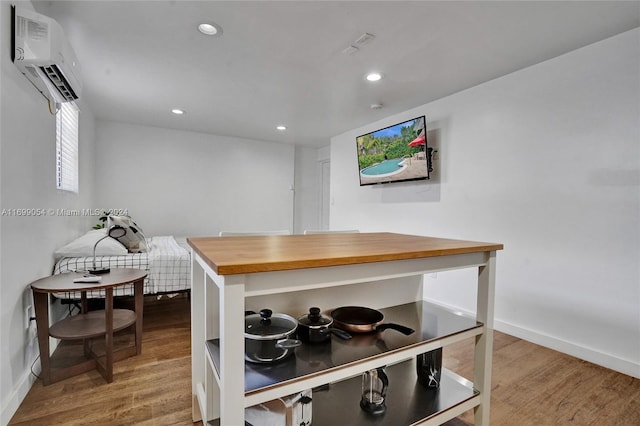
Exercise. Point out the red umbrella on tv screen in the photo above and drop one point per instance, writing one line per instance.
(417, 141)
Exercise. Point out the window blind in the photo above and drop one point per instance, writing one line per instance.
(67, 147)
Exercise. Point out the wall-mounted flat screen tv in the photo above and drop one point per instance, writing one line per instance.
(396, 153)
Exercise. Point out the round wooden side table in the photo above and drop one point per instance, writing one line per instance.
(88, 324)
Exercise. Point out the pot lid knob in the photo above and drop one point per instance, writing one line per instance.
(265, 314)
(314, 314)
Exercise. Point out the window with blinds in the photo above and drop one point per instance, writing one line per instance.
(67, 147)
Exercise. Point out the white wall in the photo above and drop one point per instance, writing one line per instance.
(547, 161)
(27, 178)
(193, 184)
(307, 192)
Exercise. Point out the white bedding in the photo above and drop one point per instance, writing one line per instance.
(167, 260)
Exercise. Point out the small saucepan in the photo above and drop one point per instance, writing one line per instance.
(358, 319)
(316, 328)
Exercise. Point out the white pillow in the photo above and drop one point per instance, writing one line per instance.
(83, 246)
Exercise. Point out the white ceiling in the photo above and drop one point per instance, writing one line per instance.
(282, 62)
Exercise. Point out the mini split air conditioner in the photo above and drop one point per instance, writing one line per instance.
(43, 54)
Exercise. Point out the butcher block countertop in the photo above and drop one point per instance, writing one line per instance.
(251, 254)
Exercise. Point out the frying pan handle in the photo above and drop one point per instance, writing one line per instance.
(401, 328)
(340, 333)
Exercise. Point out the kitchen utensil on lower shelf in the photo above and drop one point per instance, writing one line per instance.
(358, 319)
(316, 328)
(429, 368)
(291, 410)
(267, 336)
(374, 391)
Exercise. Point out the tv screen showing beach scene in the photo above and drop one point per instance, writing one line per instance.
(396, 153)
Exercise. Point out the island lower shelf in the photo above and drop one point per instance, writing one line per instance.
(314, 365)
(407, 402)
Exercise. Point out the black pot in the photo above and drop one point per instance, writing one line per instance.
(267, 336)
(316, 328)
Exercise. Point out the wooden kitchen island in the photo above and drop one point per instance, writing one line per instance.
(291, 273)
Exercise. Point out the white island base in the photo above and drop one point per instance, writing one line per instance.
(292, 273)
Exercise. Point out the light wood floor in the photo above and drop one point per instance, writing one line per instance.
(531, 385)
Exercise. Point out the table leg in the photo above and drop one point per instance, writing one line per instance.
(41, 304)
(231, 345)
(109, 335)
(139, 303)
(84, 308)
(198, 333)
(84, 304)
(484, 342)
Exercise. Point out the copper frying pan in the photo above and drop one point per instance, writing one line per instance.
(358, 319)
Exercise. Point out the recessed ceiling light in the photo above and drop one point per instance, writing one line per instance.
(373, 76)
(209, 28)
(177, 111)
(281, 128)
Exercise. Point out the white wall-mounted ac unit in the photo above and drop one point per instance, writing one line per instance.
(43, 54)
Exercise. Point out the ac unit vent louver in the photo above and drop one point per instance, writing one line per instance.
(58, 79)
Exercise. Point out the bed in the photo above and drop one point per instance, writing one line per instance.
(166, 258)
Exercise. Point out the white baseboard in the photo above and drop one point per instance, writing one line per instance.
(594, 356)
(10, 406)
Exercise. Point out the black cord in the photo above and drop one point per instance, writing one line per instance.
(34, 363)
